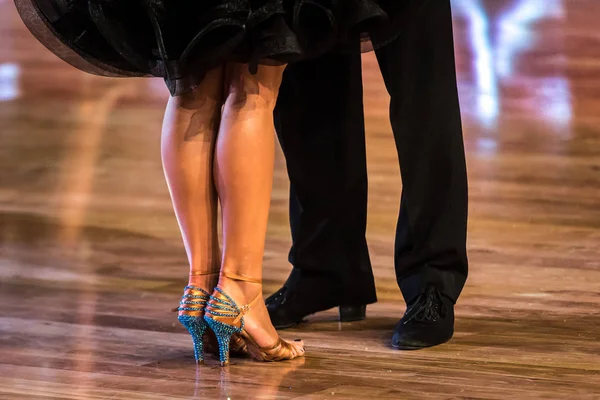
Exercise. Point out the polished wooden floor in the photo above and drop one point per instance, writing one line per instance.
(91, 260)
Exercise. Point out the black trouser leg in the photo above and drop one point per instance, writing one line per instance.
(320, 123)
(419, 72)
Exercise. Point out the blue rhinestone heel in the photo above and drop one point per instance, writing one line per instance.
(226, 318)
(223, 332)
(221, 306)
(191, 315)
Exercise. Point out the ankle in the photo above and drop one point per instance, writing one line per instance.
(242, 292)
(204, 281)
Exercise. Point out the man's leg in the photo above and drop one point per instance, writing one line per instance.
(320, 122)
(430, 251)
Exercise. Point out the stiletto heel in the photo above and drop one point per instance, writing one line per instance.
(225, 318)
(222, 307)
(193, 303)
(223, 332)
(197, 330)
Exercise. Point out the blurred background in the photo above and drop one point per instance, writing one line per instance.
(87, 231)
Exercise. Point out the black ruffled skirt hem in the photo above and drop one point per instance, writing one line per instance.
(179, 40)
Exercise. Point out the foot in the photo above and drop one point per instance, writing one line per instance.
(428, 321)
(257, 323)
(307, 295)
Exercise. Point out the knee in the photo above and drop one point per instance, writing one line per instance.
(191, 117)
(198, 102)
(245, 94)
(245, 91)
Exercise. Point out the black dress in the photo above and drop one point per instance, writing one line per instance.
(179, 40)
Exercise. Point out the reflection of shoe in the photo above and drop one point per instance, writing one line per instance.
(428, 321)
(225, 318)
(308, 295)
(191, 315)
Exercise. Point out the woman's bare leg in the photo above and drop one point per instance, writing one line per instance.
(188, 141)
(244, 165)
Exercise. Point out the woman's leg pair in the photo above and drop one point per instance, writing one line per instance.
(218, 144)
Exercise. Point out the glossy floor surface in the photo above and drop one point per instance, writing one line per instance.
(91, 260)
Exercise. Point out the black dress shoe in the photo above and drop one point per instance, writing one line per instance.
(428, 321)
(308, 295)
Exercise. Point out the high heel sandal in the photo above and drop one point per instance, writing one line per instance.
(191, 315)
(225, 318)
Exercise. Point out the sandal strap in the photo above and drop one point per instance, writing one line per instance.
(246, 308)
(203, 273)
(227, 307)
(242, 278)
(193, 302)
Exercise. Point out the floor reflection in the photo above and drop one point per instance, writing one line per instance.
(9, 81)
(503, 37)
(268, 381)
